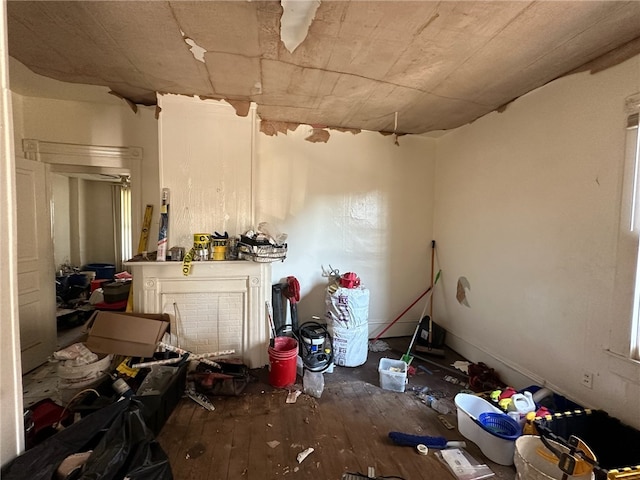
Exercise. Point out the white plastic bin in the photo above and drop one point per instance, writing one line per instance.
(494, 448)
(393, 374)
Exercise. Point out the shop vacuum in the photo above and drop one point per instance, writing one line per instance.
(314, 341)
(316, 346)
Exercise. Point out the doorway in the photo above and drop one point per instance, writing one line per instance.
(78, 171)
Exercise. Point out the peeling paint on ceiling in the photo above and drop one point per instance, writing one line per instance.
(439, 65)
(296, 19)
(197, 51)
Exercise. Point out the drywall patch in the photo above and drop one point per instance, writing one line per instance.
(296, 19)
(272, 127)
(196, 50)
(461, 293)
(318, 135)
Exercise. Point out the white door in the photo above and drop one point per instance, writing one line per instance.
(36, 277)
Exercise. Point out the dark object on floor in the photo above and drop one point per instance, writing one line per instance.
(482, 378)
(614, 444)
(408, 440)
(122, 447)
(158, 407)
(45, 415)
(229, 380)
(431, 337)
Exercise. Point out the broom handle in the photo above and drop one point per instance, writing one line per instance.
(433, 256)
(402, 314)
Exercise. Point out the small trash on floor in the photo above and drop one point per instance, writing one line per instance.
(196, 451)
(463, 465)
(304, 454)
(293, 396)
(447, 424)
(200, 399)
(462, 366)
(273, 443)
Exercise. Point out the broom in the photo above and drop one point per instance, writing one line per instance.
(407, 358)
(431, 348)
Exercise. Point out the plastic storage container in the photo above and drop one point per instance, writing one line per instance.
(103, 270)
(534, 461)
(116, 291)
(470, 407)
(393, 374)
(614, 444)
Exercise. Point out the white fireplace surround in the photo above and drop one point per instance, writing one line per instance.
(219, 306)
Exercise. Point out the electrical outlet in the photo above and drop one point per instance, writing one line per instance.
(587, 379)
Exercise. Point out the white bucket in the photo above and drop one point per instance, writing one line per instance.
(494, 448)
(534, 461)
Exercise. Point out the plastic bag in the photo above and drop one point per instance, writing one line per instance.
(122, 447)
(313, 383)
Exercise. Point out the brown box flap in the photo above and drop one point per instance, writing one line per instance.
(130, 334)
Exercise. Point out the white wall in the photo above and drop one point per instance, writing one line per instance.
(358, 203)
(97, 212)
(205, 161)
(61, 220)
(87, 123)
(527, 207)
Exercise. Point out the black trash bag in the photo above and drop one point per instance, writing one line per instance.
(122, 446)
(128, 450)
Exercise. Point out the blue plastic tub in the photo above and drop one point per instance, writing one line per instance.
(103, 270)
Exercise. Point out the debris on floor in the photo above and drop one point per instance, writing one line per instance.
(304, 454)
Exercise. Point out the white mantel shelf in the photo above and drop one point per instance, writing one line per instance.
(219, 306)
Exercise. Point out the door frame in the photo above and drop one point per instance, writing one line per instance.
(78, 158)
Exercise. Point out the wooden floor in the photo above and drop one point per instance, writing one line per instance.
(258, 435)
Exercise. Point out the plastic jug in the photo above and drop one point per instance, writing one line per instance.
(523, 403)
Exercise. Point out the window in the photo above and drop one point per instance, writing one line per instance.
(633, 158)
(122, 221)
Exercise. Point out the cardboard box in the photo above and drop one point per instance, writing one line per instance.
(129, 334)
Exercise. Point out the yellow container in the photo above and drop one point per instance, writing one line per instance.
(219, 249)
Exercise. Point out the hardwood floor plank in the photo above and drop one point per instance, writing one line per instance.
(348, 428)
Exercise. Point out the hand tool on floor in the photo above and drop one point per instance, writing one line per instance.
(409, 440)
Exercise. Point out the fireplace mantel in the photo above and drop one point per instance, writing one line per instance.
(219, 306)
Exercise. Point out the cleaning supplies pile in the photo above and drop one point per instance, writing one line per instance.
(265, 244)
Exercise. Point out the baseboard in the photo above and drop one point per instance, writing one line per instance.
(511, 373)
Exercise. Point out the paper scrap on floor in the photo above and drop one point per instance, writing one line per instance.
(463, 465)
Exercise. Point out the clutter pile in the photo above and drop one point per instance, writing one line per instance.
(264, 245)
(123, 362)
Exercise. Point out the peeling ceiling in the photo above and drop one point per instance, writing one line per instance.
(404, 67)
